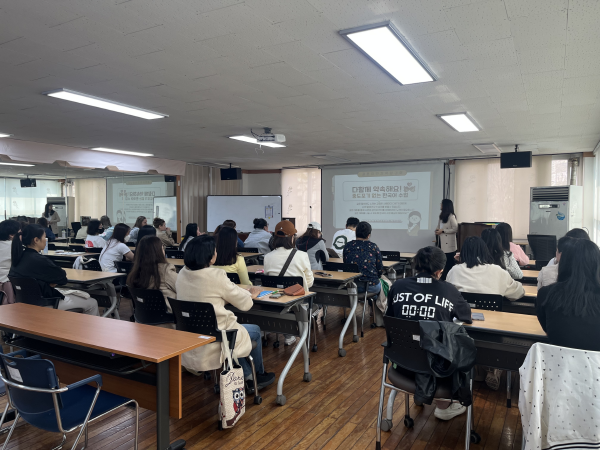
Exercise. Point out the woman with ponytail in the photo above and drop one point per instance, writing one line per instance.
(27, 262)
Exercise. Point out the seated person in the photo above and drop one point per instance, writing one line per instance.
(501, 257)
(366, 255)
(146, 230)
(260, 237)
(576, 233)
(508, 245)
(549, 274)
(342, 237)
(227, 256)
(82, 232)
(477, 272)
(429, 264)
(191, 231)
(106, 228)
(231, 224)
(93, 238)
(199, 282)
(27, 262)
(115, 249)
(139, 223)
(569, 310)
(43, 222)
(313, 244)
(151, 270)
(8, 230)
(163, 232)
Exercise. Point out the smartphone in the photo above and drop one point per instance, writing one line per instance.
(276, 295)
(477, 316)
(264, 294)
(323, 274)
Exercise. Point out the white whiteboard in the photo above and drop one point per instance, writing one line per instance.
(166, 209)
(243, 209)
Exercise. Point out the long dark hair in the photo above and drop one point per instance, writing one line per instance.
(429, 260)
(47, 210)
(577, 290)
(505, 231)
(199, 252)
(146, 230)
(447, 209)
(118, 236)
(493, 241)
(145, 273)
(191, 231)
(226, 247)
(311, 233)
(474, 252)
(24, 238)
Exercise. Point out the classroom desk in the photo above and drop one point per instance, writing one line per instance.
(339, 290)
(86, 279)
(529, 276)
(288, 315)
(63, 255)
(390, 266)
(178, 262)
(81, 345)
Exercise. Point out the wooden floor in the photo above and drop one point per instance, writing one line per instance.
(336, 410)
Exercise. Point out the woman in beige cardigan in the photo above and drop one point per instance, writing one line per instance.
(446, 232)
(198, 282)
(52, 217)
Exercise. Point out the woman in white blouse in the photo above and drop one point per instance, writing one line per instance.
(446, 232)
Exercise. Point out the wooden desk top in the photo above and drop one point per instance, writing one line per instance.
(277, 301)
(335, 276)
(146, 342)
(530, 291)
(73, 255)
(407, 255)
(508, 322)
(89, 276)
(520, 241)
(179, 262)
(62, 244)
(530, 273)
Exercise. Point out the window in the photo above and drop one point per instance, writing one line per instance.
(560, 172)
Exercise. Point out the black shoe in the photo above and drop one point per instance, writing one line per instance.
(264, 379)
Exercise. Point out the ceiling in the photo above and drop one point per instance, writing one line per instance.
(528, 72)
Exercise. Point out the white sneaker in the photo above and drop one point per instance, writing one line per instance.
(290, 340)
(455, 409)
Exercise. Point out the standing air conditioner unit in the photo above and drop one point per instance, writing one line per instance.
(555, 210)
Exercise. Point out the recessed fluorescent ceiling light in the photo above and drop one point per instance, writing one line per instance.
(5, 135)
(384, 44)
(487, 148)
(252, 140)
(461, 122)
(16, 164)
(90, 100)
(123, 152)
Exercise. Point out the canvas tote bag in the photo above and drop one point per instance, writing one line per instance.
(231, 384)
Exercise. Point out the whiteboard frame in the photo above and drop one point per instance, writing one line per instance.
(262, 196)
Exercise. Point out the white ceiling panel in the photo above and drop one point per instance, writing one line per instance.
(481, 21)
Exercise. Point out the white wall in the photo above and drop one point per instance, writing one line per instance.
(588, 193)
(261, 183)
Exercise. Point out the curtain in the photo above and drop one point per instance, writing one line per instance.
(486, 193)
(301, 189)
(197, 183)
(90, 198)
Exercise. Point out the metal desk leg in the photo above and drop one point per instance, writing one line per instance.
(112, 294)
(301, 345)
(162, 410)
(353, 295)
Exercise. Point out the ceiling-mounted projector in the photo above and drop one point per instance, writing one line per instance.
(268, 136)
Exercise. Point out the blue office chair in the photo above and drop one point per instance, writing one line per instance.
(34, 392)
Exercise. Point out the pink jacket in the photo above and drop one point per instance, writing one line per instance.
(519, 254)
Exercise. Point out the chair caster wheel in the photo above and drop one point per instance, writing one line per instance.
(280, 400)
(207, 375)
(220, 425)
(217, 389)
(307, 377)
(276, 344)
(343, 321)
(475, 438)
(362, 334)
(386, 425)
(257, 400)
(355, 338)
(342, 352)
(408, 422)
(373, 325)
(314, 348)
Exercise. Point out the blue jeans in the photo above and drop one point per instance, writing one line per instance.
(370, 289)
(254, 332)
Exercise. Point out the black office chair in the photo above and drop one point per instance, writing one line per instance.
(96, 250)
(124, 267)
(249, 250)
(200, 318)
(234, 278)
(28, 291)
(280, 283)
(543, 247)
(76, 248)
(390, 256)
(174, 254)
(75, 226)
(91, 264)
(403, 350)
(149, 307)
(51, 246)
(77, 241)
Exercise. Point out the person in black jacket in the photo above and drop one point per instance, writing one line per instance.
(569, 310)
(29, 263)
(426, 297)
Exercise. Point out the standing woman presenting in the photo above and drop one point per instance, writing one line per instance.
(52, 217)
(446, 230)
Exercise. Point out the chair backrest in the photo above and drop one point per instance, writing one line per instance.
(77, 241)
(174, 254)
(31, 372)
(390, 256)
(130, 244)
(28, 291)
(234, 277)
(75, 226)
(150, 307)
(543, 246)
(77, 248)
(51, 246)
(489, 302)
(249, 250)
(124, 266)
(91, 264)
(403, 344)
(93, 250)
(280, 282)
(341, 267)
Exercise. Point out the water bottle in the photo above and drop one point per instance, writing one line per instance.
(64, 234)
(45, 251)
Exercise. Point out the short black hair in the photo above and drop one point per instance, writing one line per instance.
(352, 222)
(474, 252)
(363, 230)
(578, 233)
(8, 228)
(429, 260)
(199, 252)
(260, 223)
(93, 227)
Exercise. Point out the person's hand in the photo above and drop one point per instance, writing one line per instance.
(457, 256)
(255, 290)
(438, 231)
(168, 230)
